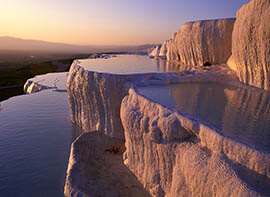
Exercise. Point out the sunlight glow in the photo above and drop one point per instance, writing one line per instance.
(102, 22)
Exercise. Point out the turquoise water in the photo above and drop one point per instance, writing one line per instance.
(242, 114)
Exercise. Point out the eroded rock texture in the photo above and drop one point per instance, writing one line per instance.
(165, 48)
(174, 156)
(202, 42)
(95, 100)
(96, 169)
(162, 50)
(155, 51)
(251, 44)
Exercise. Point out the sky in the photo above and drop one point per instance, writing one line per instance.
(106, 22)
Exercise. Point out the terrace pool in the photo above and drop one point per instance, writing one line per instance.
(239, 113)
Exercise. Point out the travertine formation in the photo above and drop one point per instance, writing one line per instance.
(32, 87)
(96, 169)
(162, 50)
(95, 100)
(169, 153)
(199, 43)
(155, 51)
(251, 44)
(55, 81)
(172, 155)
(202, 42)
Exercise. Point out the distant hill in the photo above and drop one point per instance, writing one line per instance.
(11, 43)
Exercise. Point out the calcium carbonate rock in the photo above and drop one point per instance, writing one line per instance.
(55, 81)
(96, 169)
(95, 100)
(172, 155)
(32, 87)
(155, 52)
(203, 42)
(164, 49)
(251, 44)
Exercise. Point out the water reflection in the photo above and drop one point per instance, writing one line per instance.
(35, 137)
(1, 108)
(127, 64)
(171, 66)
(242, 114)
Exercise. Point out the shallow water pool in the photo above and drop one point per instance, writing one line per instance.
(127, 64)
(242, 114)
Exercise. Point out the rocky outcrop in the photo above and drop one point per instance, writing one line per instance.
(162, 50)
(251, 44)
(32, 87)
(95, 98)
(167, 152)
(155, 51)
(55, 81)
(172, 155)
(96, 169)
(202, 42)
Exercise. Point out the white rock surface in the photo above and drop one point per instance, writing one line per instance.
(95, 98)
(96, 169)
(155, 51)
(162, 50)
(165, 48)
(251, 45)
(55, 81)
(202, 41)
(168, 153)
(191, 160)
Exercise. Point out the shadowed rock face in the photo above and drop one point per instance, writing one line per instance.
(202, 41)
(95, 100)
(251, 44)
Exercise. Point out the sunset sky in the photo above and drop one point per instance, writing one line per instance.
(106, 22)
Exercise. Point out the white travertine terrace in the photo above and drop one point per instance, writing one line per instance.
(172, 154)
(199, 42)
(54, 81)
(250, 44)
(155, 51)
(167, 152)
(242, 43)
(95, 97)
(96, 169)
(162, 50)
(203, 41)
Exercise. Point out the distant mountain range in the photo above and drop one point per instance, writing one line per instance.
(11, 43)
